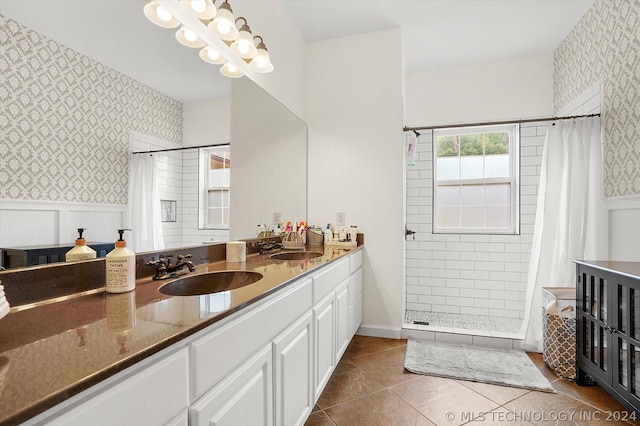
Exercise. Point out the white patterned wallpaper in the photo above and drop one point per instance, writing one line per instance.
(606, 44)
(66, 119)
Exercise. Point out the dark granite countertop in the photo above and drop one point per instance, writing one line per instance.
(51, 352)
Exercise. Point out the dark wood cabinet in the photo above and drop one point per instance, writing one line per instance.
(608, 328)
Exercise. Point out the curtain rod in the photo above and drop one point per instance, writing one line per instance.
(179, 149)
(489, 123)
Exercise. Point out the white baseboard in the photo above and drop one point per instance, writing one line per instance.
(386, 332)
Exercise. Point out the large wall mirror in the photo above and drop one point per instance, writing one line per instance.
(85, 81)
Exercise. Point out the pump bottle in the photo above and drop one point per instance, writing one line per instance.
(81, 251)
(121, 267)
(328, 234)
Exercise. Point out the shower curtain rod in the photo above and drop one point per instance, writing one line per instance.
(490, 123)
(180, 149)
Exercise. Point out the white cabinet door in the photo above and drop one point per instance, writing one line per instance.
(342, 319)
(355, 316)
(355, 302)
(153, 396)
(293, 373)
(245, 397)
(325, 342)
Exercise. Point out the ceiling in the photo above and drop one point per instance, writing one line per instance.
(441, 33)
(436, 33)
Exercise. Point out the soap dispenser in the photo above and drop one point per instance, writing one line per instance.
(81, 251)
(121, 267)
(328, 234)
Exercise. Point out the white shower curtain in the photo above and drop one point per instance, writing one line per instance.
(144, 204)
(571, 219)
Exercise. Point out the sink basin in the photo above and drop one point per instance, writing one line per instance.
(295, 255)
(212, 282)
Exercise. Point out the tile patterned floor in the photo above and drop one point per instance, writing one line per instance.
(371, 387)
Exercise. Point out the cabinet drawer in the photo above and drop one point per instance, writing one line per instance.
(355, 261)
(157, 393)
(220, 352)
(328, 279)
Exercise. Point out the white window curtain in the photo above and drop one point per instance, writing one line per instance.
(571, 218)
(144, 204)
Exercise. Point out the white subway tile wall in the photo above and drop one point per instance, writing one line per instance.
(470, 274)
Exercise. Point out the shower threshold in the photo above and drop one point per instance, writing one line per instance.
(462, 327)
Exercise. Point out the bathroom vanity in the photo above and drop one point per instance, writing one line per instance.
(608, 328)
(259, 354)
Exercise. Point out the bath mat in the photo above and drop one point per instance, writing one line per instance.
(505, 367)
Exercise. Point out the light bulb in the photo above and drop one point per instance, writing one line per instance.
(231, 71)
(261, 62)
(163, 15)
(159, 15)
(190, 35)
(198, 5)
(211, 56)
(243, 48)
(224, 28)
(188, 38)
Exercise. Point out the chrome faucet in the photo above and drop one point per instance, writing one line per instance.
(164, 268)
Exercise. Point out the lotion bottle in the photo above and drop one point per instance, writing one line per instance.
(328, 234)
(81, 251)
(121, 267)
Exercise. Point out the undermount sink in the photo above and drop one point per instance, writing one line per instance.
(211, 282)
(295, 255)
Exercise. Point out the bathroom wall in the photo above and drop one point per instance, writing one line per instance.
(605, 45)
(65, 126)
(287, 50)
(206, 122)
(599, 63)
(486, 91)
(356, 159)
(67, 120)
(474, 274)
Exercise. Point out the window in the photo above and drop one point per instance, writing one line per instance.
(215, 174)
(476, 180)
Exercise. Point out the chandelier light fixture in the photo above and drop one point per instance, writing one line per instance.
(214, 31)
(160, 16)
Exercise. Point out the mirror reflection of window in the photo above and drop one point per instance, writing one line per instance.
(215, 186)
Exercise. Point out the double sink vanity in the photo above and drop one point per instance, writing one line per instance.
(231, 343)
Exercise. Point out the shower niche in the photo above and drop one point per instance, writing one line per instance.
(608, 328)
